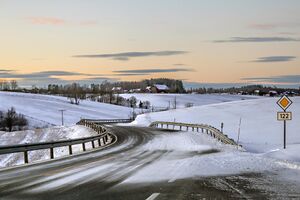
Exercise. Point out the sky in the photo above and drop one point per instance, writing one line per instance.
(202, 42)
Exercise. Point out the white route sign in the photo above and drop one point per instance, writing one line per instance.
(282, 116)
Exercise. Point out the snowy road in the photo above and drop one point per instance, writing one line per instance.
(135, 168)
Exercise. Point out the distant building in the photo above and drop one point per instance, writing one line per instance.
(272, 93)
(256, 92)
(116, 89)
(158, 88)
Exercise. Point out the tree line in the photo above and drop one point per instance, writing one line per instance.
(249, 90)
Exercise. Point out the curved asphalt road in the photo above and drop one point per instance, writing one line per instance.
(97, 174)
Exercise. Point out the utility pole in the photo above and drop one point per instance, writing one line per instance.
(62, 116)
(222, 126)
(175, 103)
(239, 132)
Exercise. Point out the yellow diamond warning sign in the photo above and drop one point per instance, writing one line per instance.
(284, 102)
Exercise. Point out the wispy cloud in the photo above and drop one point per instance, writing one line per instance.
(179, 64)
(258, 39)
(274, 59)
(267, 26)
(5, 71)
(55, 21)
(272, 26)
(46, 20)
(290, 79)
(44, 78)
(88, 23)
(43, 74)
(127, 55)
(140, 72)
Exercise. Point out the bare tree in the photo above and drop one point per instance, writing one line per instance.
(75, 93)
(132, 100)
(11, 120)
(13, 84)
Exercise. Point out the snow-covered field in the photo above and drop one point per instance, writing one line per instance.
(167, 100)
(41, 135)
(260, 130)
(43, 110)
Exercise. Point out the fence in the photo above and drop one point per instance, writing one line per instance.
(210, 130)
(104, 138)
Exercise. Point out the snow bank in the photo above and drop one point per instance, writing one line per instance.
(260, 130)
(41, 135)
(191, 155)
(181, 141)
(43, 110)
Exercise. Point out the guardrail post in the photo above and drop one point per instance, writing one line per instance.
(167, 126)
(93, 144)
(202, 130)
(51, 153)
(193, 128)
(180, 127)
(99, 143)
(161, 125)
(70, 150)
(83, 146)
(25, 157)
(187, 128)
(197, 129)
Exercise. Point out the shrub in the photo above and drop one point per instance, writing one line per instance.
(10, 120)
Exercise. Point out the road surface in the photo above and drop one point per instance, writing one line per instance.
(102, 174)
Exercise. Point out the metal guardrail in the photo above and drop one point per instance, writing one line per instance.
(103, 138)
(210, 130)
(108, 121)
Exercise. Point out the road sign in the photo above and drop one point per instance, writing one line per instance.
(284, 102)
(282, 116)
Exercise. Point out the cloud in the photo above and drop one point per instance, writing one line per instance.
(5, 71)
(290, 79)
(88, 23)
(42, 74)
(140, 72)
(179, 64)
(59, 21)
(271, 26)
(127, 55)
(46, 20)
(264, 26)
(274, 59)
(44, 78)
(132, 74)
(258, 39)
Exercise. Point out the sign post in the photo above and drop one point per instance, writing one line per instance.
(284, 103)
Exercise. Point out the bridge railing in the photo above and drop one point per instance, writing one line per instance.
(104, 138)
(210, 130)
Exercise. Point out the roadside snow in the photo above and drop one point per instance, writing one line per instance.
(43, 110)
(193, 155)
(41, 135)
(260, 130)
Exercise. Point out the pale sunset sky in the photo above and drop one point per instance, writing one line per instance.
(203, 42)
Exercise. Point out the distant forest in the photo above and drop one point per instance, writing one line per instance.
(109, 88)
